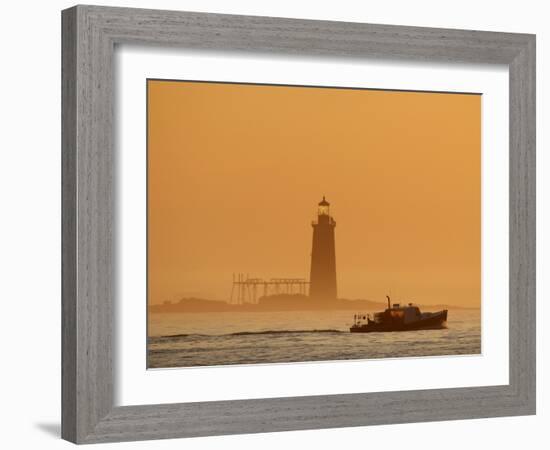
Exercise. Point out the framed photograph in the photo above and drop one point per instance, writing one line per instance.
(278, 224)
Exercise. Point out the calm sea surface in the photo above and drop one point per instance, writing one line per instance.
(206, 339)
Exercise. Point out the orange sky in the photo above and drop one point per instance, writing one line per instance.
(235, 173)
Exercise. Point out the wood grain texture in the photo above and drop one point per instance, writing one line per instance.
(68, 225)
(89, 36)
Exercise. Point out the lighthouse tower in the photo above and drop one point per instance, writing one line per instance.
(323, 256)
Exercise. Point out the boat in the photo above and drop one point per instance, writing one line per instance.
(399, 318)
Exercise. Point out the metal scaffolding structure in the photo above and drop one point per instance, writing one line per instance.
(246, 290)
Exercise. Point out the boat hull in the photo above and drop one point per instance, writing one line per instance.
(435, 321)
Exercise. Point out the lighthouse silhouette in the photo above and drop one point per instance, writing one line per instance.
(323, 255)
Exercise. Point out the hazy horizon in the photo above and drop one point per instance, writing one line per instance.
(401, 301)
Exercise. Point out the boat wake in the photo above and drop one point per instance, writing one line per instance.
(252, 333)
(246, 333)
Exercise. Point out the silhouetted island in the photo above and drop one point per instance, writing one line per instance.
(281, 302)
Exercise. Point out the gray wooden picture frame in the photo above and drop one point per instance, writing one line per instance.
(90, 34)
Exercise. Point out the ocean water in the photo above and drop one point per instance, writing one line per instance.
(207, 339)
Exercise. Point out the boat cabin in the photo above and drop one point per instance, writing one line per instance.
(395, 313)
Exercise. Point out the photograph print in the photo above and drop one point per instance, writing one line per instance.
(294, 224)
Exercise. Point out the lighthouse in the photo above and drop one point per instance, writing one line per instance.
(323, 255)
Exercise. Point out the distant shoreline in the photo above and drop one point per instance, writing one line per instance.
(281, 303)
